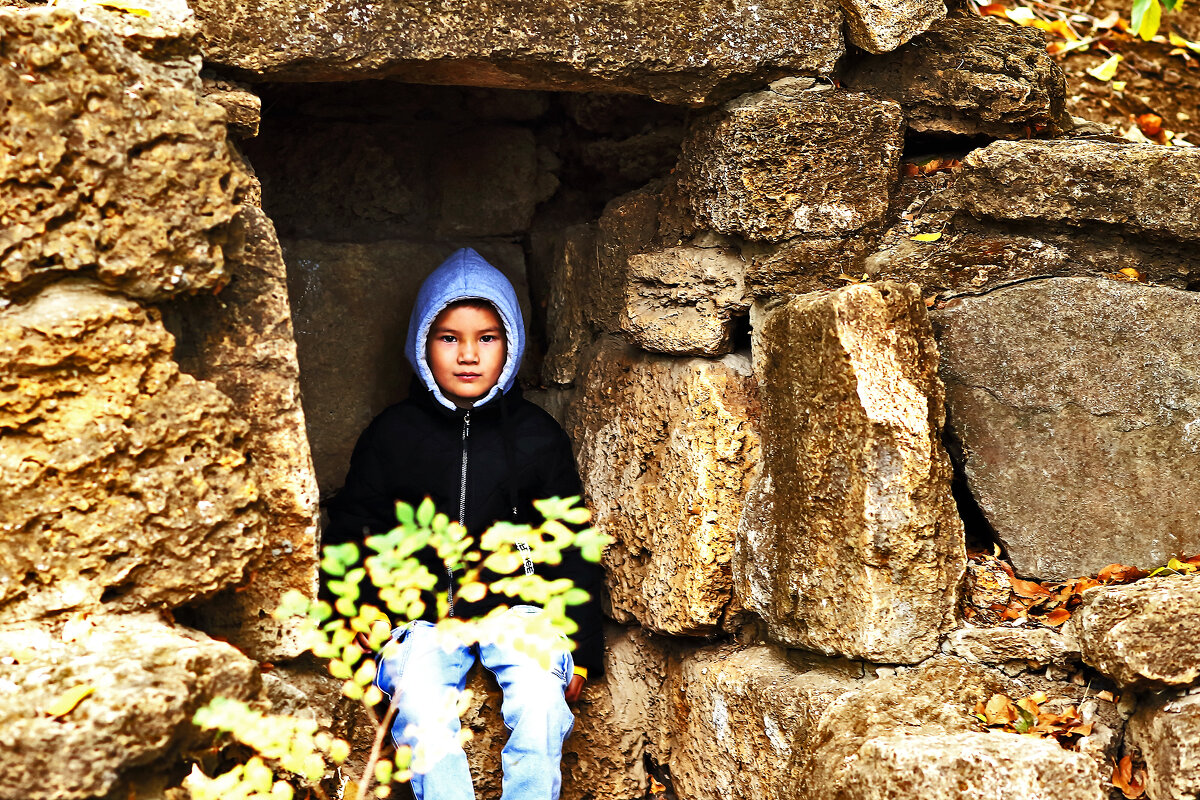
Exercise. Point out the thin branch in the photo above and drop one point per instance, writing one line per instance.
(381, 730)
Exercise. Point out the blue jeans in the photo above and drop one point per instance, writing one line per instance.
(429, 677)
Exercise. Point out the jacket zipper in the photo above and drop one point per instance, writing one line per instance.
(462, 507)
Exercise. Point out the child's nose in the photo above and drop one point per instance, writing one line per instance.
(468, 352)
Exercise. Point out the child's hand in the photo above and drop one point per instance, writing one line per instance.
(574, 688)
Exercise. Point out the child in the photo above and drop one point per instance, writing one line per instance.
(467, 438)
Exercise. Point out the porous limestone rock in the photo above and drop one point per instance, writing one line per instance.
(745, 720)
(147, 677)
(970, 766)
(628, 226)
(243, 342)
(879, 27)
(1013, 649)
(620, 718)
(116, 166)
(798, 266)
(1166, 730)
(676, 54)
(789, 162)
(166, 33)
(1144, 188)
(666, 448)
(970, 75)
(1087, 389)
(850, 543)
(353, 292)
(684, 300)
(1142, 635)
(567, 329)
(125, 482)
(932, 700)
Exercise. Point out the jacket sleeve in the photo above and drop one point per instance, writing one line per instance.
(365, 504)
(561, 479)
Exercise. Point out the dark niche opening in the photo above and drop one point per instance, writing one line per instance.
(372, 184)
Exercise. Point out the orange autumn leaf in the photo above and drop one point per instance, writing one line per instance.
(1056, 617)
(1030, 589)
(1150, 124)
(1056, 28)
(993, 10)
(1131, 782)
(1121, 573)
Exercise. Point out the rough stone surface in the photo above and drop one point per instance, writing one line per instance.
(850, 543)
(971, 766)
(1143, 634)
(789, 162)
(666, 448)
(1088, 390)
(243, 342)
(243, 108)
(116, 166)
(619, 719)
(927, 702)
(676, 54)
(1013, 649)
(350, 339)
(167, 34)
(124, 481)
(879, 27)
(1140, 187)
(575, 269)
(149, 678)
(745, 720)
(405, 177)
(628, 226)
(970, 75)
(1166, 730)
(798, 266)
(684, 300)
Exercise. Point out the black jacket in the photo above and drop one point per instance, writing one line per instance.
(514, 451)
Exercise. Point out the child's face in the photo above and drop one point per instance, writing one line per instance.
(466, 352)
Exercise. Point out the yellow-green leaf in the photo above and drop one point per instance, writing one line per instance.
(66, 702)
(927, 237)
(1107, 70)
(1148, 24)
(116, 5)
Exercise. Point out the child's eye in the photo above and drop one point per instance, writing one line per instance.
(447, 338)
(489, 337)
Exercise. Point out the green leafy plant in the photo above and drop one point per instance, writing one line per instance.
(292, 751)
(1146, 16)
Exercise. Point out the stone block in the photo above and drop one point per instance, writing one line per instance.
(745, 721)
(850, 543)
(666, 448)
(567, 328)
(125, 482)
(684, 300)
(1143, 188)
(1166, 731)
(1074, 402)
(790, 162)
(1142, 635)
(677, 54)
(970, 75)
(971, 766)
(628, 226)
(148, 679)
(879, 27)
(243, 342)
(115, 165)
(1013, 649)
(406, 178)
(350, 339)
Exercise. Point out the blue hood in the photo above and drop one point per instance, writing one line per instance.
(461, 276)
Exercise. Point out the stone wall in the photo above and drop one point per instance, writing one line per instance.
(800, 379)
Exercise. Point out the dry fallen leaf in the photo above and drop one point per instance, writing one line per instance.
(1151, 125)
(66, 702)
(1131, 782)
(1107, 70)
(927, 237)
(656, 787)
